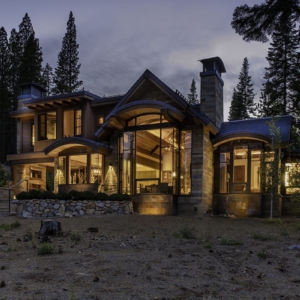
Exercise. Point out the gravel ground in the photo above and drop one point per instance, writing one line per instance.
(152, 257)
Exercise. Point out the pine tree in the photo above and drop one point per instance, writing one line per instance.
(235, 107)
(47, 78)
(31, 62)
(5, 105)
(25, 31)
(242, 104)
(15, 51)
(192, 96)
(258, 22)
(67, 70)
(282, 58)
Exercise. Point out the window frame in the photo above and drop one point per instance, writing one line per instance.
(42, 127)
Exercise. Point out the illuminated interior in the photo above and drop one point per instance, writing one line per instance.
(149, 158)
(240, 170)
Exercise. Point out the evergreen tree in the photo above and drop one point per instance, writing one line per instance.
(192, 96)
(47, 78)
(242, 105)
(5, 106)
(15, 51)
(31, 62)
(67, 70)
(282, 58)
(257, 23)
(236, 107)
(25, 31)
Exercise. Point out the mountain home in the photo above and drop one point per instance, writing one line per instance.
(172, 157)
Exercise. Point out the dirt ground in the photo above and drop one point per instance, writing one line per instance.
(152, 257)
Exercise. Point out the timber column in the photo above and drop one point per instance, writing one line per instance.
(211, 101)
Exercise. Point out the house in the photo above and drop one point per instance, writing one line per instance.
(171, 156)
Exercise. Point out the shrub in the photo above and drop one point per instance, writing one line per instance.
(262, 237)
(8, 227)
(46, 249)
(75, 237)
(262, 254)
(72, 195)
(186, 232)
(230, 242)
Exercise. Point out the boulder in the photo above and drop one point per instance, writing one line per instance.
(49, 227)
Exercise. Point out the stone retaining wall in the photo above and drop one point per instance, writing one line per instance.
(68, 208)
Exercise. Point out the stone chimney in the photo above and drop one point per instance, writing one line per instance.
(211, 96)
(30, 91)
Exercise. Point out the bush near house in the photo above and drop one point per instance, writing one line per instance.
(74, 195)
(5, 177)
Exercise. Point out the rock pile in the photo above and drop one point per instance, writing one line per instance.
(68, 208)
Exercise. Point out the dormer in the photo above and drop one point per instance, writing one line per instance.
(30, 91)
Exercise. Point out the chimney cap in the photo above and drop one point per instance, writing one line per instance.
(213, 63)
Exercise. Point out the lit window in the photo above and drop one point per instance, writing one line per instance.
(32, 135)
(100, 120)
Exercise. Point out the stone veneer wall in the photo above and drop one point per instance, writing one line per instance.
(68, 208)
(241, 205)
(200, 199)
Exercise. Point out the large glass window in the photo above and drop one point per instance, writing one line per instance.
(78, 122)
(47, 126)
(239, 167)
(240, 164)
(185, 162)
(255, 171)
(96, 174)
(78, 169)
(62, 168)
(72, 123)
(148, 158)
(42, 127)
(224, 172)
(127, 146)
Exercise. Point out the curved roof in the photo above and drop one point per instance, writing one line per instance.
(55, 148)
(119, 116)
(257, 129)
(137, 108)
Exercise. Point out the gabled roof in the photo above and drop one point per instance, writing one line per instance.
(198, 116)
(254, 129)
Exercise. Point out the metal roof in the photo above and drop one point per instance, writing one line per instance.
(255, 128)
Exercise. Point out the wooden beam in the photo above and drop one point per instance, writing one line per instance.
(154, 149)
(39, 106)
(147, 162)
(66, 102)
(56, 103)
(146, 152)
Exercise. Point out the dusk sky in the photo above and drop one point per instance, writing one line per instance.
(119, 40)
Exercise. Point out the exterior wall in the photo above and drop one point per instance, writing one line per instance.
(242, 205)
(26, 135)
(19, 137)
(288, 208)
(200, 200)
(154, 204)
